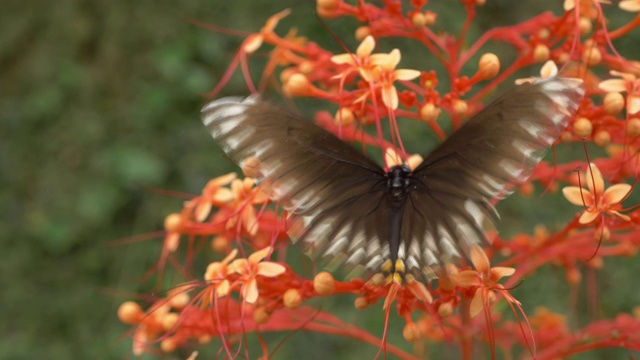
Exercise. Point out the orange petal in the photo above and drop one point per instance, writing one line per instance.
(273, 21)
(479, 258)
(270, 269)
(223, 196)
(343, 59)
(549, 69)
(616, 193)
(238, 266)
(222, 180)
(202, 210)
(223, 288)
(250, 291)
(588, 216)
(390, 97)
(477, 304)
(594, 179)
(501, 271)
(257, 256)
(613, 85)
(366, 46)
(231, 256)
(621, 216)
(252, 43)
(630, 5)
(576, 195)
(406, 74)
(633, 103)
(466, 278)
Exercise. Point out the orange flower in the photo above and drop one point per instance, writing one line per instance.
(245, 195)
(485, 278)
(597, 200)
(252, 267)
(254, 41)
(378, 69)
(628, 83)
(217, 273)
(214, 194)
(387, 75)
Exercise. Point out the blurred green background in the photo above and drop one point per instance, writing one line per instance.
(99, 103)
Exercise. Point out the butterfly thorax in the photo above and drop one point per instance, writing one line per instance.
(399, 181)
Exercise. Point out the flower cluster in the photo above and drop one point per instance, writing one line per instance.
(254, 288)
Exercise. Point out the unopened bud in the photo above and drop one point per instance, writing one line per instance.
(324, 284)
(541, 53)
(582, 127)
(613, 103)
(488, 66)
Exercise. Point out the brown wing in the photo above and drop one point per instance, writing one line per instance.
(483, 161)
(337, 191)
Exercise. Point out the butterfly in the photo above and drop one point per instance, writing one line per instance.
(400, 220)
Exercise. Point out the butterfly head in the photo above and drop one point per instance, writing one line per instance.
(399, 180)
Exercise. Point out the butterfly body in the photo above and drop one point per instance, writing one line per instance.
(401, 219)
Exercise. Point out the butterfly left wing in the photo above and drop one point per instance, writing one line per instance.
(335, 190)
(483, 161)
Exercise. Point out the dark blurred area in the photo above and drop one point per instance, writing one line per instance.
(99, 107)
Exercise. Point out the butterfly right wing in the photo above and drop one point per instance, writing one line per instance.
(337, 192)
(482, 162)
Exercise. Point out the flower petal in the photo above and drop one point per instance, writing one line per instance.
(613, 85)
(222, 180)
(477, 304)
(344, 59)
(501, 271)
(621, 216)
(250, 291)
(576, 195)
(406, 74)
(549, 69)
(466, 278)
(615, 193)
(633, 103)
(223, 288)
(259, 255)
(630, 5)
(390, 97)
(594, 180)
(270, 269)
(479, 258)
(366, 46)
(588, 216)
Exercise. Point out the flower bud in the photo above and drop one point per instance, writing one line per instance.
(173, 222)
(429, 112)
(411, 332)
(292, 298)
(130, 313)
(460, 106)
(169, 320)
(613, 103)
(261, 315)
(361, 303)
(488, 66)
(591, 56)
(582, 127)
(344, 117)
(298, 85)
(362, 32)
(633, 127)
(602, 138)
(445, 309)
(585, 25)
(541, 53)
(324, 284)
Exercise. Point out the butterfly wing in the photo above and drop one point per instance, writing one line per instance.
(482, 162)
(336, 191)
